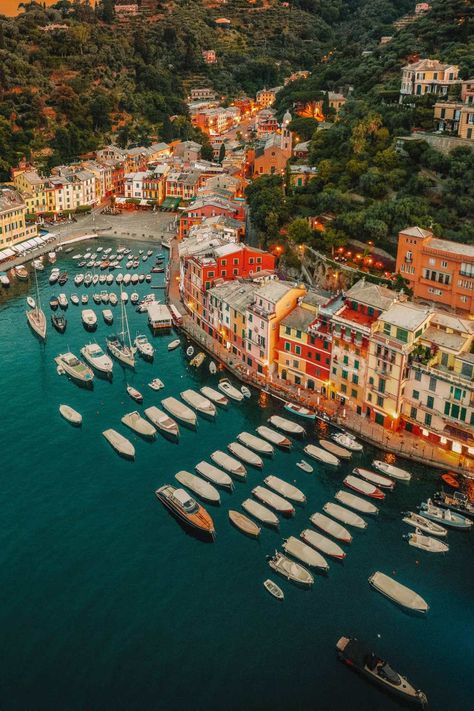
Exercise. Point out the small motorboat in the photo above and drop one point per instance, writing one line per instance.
(96, 298)
(255, 443)
(174, 344)
(74, 368)
(134, 394)
(162, 421)
(21, 272)
(285, 489)
(360, 658)
(190, 351)
(199, 402)
(113, 300)
(38, 264)
(124, 297)
(186, 509)
(398, 593)
(89, 319)
(424, 524)
(108, 316)
(300, 411)
(306, 554)
(335, 449)
(356, 502)
(62, 279)
(273, 589)
(144, 347)
(104, 297)
(71, 415)
(445, 516)
(134, 298)
(347, 441)
(377, 479)
(244, 524)
(53, 302)
(451, 480)
(344, 515)
(286, 425)
(231, 465)
(203, 489)
(59, 323)
(275, 501)
(457, 502)
(84, 299)
(156, 384)
(214, 396)
(214, 474)
(391, 471)
(62, 301)
(327, 525)
(426, 543)
(261, 513)
(290, 570)
(138, 424)
(321, 455)
(74, 299)
(245, 391)
(274, 437)
(54, 276)
(78, 279)
(228, 389)
(212, 368)
(31, 302)
(363, 487)
(245, 454)
(305, 466)
(323, 544)
(198, 360)
(181, 411)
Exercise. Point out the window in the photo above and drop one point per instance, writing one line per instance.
(287, 346)
(334, 371)
(356, 365)
(345, 360)
(379, 401)
(427, 419)
(298, 350)
(344, 374)
(432, 385)
(296, 364)
(236, 261)
(224, 273)
(288, 330)
(402, 335)
(387, 329)
(418, 375)
(298, 334)
(355, 379)
(318, 356)
(381, 387)
(413, 413)
(430, 402)
(343, 388)
(371, 380)
(353, 393)
(416, 395)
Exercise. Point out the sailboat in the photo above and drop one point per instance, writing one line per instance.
(35, 316)
(120, 346)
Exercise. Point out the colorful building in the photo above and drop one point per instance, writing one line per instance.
(13, 226)
(210, 206)
(428, 76)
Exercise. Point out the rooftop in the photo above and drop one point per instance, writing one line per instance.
(440, 338)
(274, 290)
(379, 297)
(444, 245)
(416, 232)
(357, 317)
(407, 316)
(299, 319)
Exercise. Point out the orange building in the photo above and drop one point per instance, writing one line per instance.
(437, 270)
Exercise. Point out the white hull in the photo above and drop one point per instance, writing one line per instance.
(245, 454)
(72, 416)
(285, 489)
(344, 515)
(356, 502)
(390, 470)
(261, 513)
(291, 570)
(323, 544)
(374, 478)
(321, 455)
(214, 396)
(162, 421)
(229, 464)
(424, 524)
(97, 358)
(274, 500)
(180, 411)
(37, 321)
(335, 449)
(139, 425)
(212, 473)
(199, 402)
(398, 593)
(255, 443)
(334, 529)
(286, 425)
(305, 553)
(229, 390)
(273, 437)
(202, 488)
(120, 443)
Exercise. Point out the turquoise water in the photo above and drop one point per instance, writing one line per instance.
(106, 603)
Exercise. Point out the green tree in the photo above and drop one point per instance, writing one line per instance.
(222, 152)
(299, 231)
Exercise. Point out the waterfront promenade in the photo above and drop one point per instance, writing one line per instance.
(401, 443)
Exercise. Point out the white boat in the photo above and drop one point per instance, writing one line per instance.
(446, 516)
(108, 316)
(245, 454)
(144, 347)
(71, 415)
(273, 589)
(89, 319)
(214, 396)
(290, 570)
(424, 524)
(356, 502)
(124, 297)
(31, 302)
(104, 297)
(426, 543)
(162, 421)
(390, 470)
(78, 279)
(300, 411)
(229, 464)
(62, 301)
(199, 402)
(190, 351)
(4, 280)
(134, 394)
(36, 317)
(286, 425)
(212, 473)
(275, 501)
(74, 299)
(261, 513)
(84, 299)
(285, 489)
(306, 554)
(273, 436)
(54, 276)
(305, 466)
(327, 525)
(180, 411)
(38, 265)
(96, 357)
(76, 369)
(259, 445)
(174, 344)
(374, 478)
(323, 544)
(212, 368)
(113, 301)
(134, 297)
(245, 391)
(398, 593)
(120, 346)
(321, 455)
(138, 424)
(120, 443)
(344, 515)
(335, 449)
(363, 487)
(203, 489)
(229, 390)
(244, 524)
(156, 384)
(347, 441)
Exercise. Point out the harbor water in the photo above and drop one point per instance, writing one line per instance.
(107, 603)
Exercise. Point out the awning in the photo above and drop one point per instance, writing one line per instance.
(7, 253)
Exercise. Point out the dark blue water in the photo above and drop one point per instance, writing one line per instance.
(106, 603)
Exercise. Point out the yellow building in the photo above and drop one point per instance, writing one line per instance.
(13, 227)
(34, 190)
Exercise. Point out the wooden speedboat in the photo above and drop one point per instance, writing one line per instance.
(398, 593)
(244, 524)
(203, 489)
(186, 509)
(358, 657)
(71, 415)
(274, 589)
(120, 443)
(134, 394)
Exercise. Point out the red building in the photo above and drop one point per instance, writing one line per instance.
(210, 206)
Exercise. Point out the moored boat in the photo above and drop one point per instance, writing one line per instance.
(156, 384)
(214, 396)
(357, 656)
(363, 487)
(356, 502)
(74, 368)
(53, 303)
(59, 323)
(244, 524)
(199, 402)
(228, 389)
(300, 411)
(255, 443)
(180, 411)
(424, 524)
(274, 500)
(304, 466)
(286, 425)
(344, 515)
(245, 391)
(198, 360)
(327, 525)
(134, 394)
(306, 554)
(245, 454)
(445, 516)
(202, 488)
(89, 319)
(233, 466)
(62, 301)
(374, 478)
(96, 357)
(273, 589)
(162, 421)
(108, 316)
(273, 436)
(21, 272)
(347, 441)
(398, 593)
(186, 509)
(174, 344)
(457, 502)
(426, 543)
(138, 424)
(321, 455)
(71, 415)
(285, 489)
(214, 474)
(335, 449)
(261, 513)
(390, 470)
(323, 544)
(120, 443)
(144, 347)
(290, 570)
